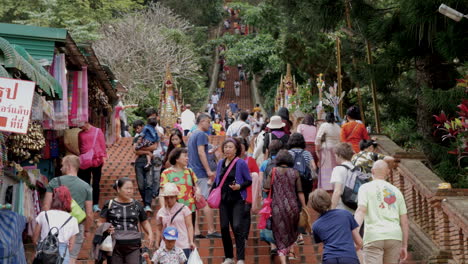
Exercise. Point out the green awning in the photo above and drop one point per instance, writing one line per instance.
(39, 42)
(14, 56)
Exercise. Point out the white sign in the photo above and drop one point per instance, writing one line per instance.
(15, 104)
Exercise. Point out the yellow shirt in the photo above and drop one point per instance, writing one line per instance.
(217, 128)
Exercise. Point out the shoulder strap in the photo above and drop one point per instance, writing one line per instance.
(47, 219)
(228, 171)
(273, 172)
(352, 131)
(68, 220)
(178, 211)
(95, 135)
(346, 166)
(358, 156)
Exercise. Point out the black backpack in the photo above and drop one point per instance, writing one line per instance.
(355, 178)
(48, 249)
(300, 164)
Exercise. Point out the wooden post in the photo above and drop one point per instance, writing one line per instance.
(374, 90)
(338, 72)
(358, 86)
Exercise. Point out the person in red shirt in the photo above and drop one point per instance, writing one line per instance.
(251, 191)
(354, 130)
(92, 138)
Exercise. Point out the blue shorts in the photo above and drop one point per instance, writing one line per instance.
(204, 187)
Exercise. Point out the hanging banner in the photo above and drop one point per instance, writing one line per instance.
(16, 98)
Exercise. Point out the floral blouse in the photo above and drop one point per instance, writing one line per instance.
(185, 181)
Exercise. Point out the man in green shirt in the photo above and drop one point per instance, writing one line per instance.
(382, 207)
(81, 192)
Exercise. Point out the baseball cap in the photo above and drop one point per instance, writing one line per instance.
(170, 233)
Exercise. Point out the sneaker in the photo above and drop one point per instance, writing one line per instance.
(214, 235)
(148, 209)
(240, 262)
(300, 240)
(228, 261)
(200, 236)
(96, 208)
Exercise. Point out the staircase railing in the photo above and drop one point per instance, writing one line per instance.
(438, 217)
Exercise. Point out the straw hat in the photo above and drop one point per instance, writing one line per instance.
(275, 122)
(169, 189)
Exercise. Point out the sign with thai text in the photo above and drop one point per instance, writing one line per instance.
(15, 104)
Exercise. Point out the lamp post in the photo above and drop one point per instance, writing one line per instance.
(451, 13)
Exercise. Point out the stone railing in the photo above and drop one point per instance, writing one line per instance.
(438, 217)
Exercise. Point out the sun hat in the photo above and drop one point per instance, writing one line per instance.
(170, 233)
(275, 122)
(169, 189)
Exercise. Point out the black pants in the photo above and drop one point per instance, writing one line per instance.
(246, 218)
(126, 254)
(232, 213)
(85, 175)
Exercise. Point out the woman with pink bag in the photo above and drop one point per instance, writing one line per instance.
(232, 179)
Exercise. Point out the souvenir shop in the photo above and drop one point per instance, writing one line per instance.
(71, 87)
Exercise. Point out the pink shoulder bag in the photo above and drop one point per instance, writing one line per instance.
(86, 159)
(214, 199)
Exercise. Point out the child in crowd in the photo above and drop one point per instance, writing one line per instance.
(148, 137)
(169, 253)
(217, 126)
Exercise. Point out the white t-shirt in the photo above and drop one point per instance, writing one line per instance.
(235, 128)
(56, 219)
(339, 175)
(214, 98)
(188, 119)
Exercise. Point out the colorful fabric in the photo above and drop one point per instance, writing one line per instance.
(78, 97)
(353, 133)
(185, 181)
(285, 206)
(59, 71)
(217, 128)
(385, 204)
(11, 241)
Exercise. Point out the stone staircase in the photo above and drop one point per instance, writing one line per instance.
(244, 101)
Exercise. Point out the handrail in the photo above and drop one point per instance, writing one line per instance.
(438, 218)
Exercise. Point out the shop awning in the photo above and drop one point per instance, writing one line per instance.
(14, 56)
(39, 42)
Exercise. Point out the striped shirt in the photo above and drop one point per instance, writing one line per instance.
(11, 240)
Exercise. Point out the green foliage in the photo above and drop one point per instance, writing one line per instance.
(200, 12)
(403, 132)
(82, 18)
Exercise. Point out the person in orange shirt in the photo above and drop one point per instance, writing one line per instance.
(353, 131)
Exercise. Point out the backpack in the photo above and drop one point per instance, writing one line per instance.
(354, 179)
(48, 249)
(302, 167)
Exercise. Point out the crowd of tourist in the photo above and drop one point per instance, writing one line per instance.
(275, 165)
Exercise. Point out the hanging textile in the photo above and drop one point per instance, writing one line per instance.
(36, 108)
(78, 97)
(49, 113)
(59, 71)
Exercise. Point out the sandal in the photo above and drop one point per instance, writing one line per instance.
(300, 240)
(274, 252)
(292, 255)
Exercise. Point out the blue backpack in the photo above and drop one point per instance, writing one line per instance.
(300, 164)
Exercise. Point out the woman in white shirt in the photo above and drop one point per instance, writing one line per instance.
(58, 216)
(328, 136)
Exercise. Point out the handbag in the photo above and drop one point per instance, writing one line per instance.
(214, 199)
(304, 220)
(106, 245)
(86, 159)
(200, 203)
(265, 212)
(76, 210)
